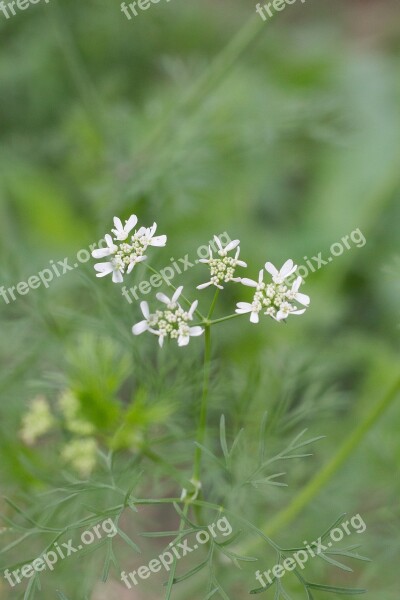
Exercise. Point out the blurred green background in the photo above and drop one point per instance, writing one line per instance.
(199, 116)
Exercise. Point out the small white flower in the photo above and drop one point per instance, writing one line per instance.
(295, 295)
(222, 268)
(130, 250)
(275, 299)
(121, 232)
(279, 276)
(148, 235)
(171, 303)
(103, 252)
(115, 267)
(173, 322)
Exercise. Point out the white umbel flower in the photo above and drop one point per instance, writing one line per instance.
(173, 322)
(127, 249)
(274, 299)
(222, 267)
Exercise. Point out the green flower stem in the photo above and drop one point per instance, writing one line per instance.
(288, 514)
(207, 322)
(213, 305)
(197, 312)
(204, 403)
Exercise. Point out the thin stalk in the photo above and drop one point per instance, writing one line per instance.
(204, 404)
(188, 302)
(221, 320)
(213, 304)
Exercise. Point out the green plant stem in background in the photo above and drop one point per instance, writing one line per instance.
(214, 76)
(288, 514)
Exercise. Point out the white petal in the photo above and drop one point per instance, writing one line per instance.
(117, 277)
(163, 298)
(281, 316)
(152, 229)
(243, 308)
(177, 293)
(183, 340)
(195, 331)
(144, 307)
(232, 245)
(193, 308)
(160, 241)
(249, 282)
(297, 284)
(271, 269)
(254, 318)
(104, 268)
(204, 285)
(131, 223)
(236, 279)
(204, 260)
(102, 252)
(161, 340)
(217, 240)
(140, 328)
(118, 224)
(140, 259)
(288, 265)
(303, 299)
(109, 241)
(261, 276)
(241, 263)
(130, 268)
(298, 312)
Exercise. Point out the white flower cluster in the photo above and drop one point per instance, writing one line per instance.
(223, 267)
(37, 421)
(173, 322)
(124, 256)
(274, 299)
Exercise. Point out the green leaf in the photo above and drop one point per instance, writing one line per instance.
(263, 589)
(222, 436)
(190, 573)
(335, 563)
(336, 590)
(269, 481)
